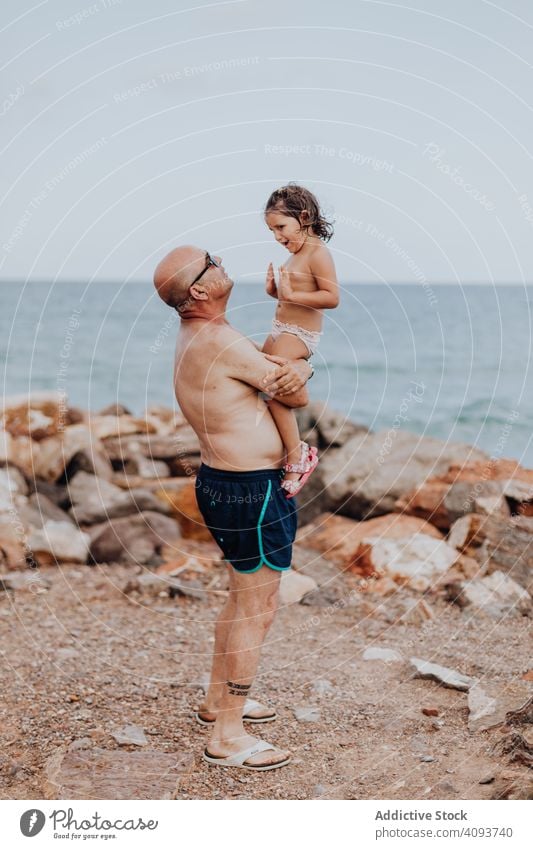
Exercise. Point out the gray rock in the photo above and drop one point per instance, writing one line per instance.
(45, 508)
(130, 735)
(496, 595)
(30, 580)
(115, 774)
(307, 713)
(377, 653)
(95, 500)
(442, 674)
(490, 701)
(367, 475)
(293, 587)
(322, 687)
(134, 539)
(61, 541)
(115, 410)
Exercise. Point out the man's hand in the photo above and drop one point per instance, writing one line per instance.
(270, 285)
(290, 377)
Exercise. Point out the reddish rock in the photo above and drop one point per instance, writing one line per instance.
(184, 508)
(338, 538)
(38, 415)
(430, 711)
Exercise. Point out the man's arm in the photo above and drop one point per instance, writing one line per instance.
(244, 362)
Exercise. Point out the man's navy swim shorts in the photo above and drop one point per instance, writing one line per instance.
(249, 516)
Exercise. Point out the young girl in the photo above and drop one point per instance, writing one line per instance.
(307, 284)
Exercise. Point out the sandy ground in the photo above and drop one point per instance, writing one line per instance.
(83, 659)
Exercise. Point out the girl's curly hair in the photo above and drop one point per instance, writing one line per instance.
(300, 203)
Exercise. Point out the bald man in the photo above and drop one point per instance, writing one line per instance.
(218, 377)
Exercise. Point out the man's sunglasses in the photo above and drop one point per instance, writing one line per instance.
(209, 262)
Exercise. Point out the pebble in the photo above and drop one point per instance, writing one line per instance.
(322, 686)
(130, 735)
(427, 759)
(307, 713)
(488, 779)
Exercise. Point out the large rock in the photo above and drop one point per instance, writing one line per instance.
(490, 701)
(115, 774)
(37, 415)
(59, 542)
(6, 446)
(441, 674)
(13, 552)
(104, 427)
(95, 500)
(293, 587)
(180, 497)
(498, 544)
(418, 560)
(367, 475)
(496, 595)
(135, 539)
(338, 538)
(74, 450)
(180, 450)
(324, 427)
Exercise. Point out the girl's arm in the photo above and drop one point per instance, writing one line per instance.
(326, 296)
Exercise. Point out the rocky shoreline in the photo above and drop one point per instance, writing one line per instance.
(391, 524)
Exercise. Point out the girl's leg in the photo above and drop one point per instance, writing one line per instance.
(287, 345)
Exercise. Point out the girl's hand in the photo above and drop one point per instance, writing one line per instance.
(271, 288)
(285, 292)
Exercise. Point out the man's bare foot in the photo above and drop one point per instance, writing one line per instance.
(220, 749)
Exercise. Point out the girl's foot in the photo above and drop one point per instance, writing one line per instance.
(296, 474)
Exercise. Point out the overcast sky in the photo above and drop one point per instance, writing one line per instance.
(129, 127)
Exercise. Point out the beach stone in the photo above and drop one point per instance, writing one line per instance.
(293, 587)
(114, 410)
(95, 500)
(366, 476)
(130, 735)
(30, 580)
(441, 674)
(180, 496)
(490, 701)
(133, 539)
(102, 427)
(180, 450)
(6, 446)
(13, 481)
(378, 653)
(145, 468)
(306, 713)
(338, 538)
(417, 561)
(330, 428)
(322, 687)
(75, 449)
(12, 553)
(115, 774)
(59, 542)
(44, 508)
(495, 595)
(37, 415)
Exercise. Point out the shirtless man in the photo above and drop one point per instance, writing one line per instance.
(218, 376)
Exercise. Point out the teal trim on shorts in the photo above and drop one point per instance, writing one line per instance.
(260, 540)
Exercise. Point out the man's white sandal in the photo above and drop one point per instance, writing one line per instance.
(239, 759)
(249, 705)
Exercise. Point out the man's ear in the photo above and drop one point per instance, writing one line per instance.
(198, 292)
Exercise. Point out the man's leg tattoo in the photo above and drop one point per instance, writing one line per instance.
(238, 689)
